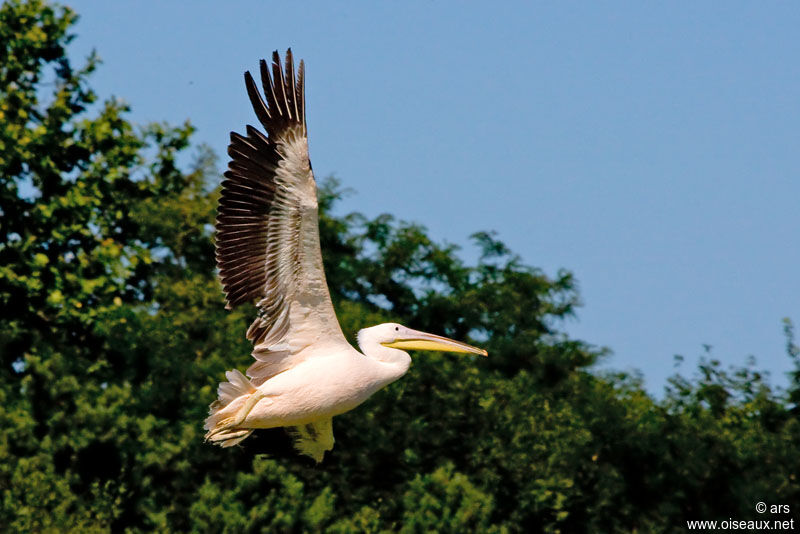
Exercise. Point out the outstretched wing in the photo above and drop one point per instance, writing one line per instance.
(267, 228)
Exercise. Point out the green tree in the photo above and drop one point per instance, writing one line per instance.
(79, 256)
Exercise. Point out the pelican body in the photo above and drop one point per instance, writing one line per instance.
(267, 238)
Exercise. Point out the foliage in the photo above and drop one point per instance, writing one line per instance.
(113, 337)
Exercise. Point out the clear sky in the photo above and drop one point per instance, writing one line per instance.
(651, 149)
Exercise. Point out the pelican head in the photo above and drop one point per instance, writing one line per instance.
(397, 336)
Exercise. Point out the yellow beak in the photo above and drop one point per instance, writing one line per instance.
(415, 340)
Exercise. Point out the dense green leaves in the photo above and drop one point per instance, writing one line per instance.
(113, 337)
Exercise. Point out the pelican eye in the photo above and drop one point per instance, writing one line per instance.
(396, 328)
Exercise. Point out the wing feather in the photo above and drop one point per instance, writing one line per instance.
(267, 234)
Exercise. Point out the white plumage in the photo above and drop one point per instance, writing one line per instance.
(268, 251)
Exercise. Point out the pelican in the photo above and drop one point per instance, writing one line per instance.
(267, 250)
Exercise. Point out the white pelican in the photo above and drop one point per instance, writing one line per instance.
(268, 250)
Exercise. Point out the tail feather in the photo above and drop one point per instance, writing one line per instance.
(232, 394)
(236, 386)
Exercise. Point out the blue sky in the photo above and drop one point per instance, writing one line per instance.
(651, 149)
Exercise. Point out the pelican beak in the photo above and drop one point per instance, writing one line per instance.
(415, 340)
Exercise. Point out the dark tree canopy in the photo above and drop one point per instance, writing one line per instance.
(113, 336)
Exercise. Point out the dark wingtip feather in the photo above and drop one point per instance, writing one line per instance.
(279, 80)
(291, 85)
(249, 189)
(262, 112)
(283, 87)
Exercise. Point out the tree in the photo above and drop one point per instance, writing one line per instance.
(79, 254)
(113, 337)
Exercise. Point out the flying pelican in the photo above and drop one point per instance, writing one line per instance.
(267, 240)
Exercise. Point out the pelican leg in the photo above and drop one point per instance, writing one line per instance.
(249, 404)
(226, 425)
